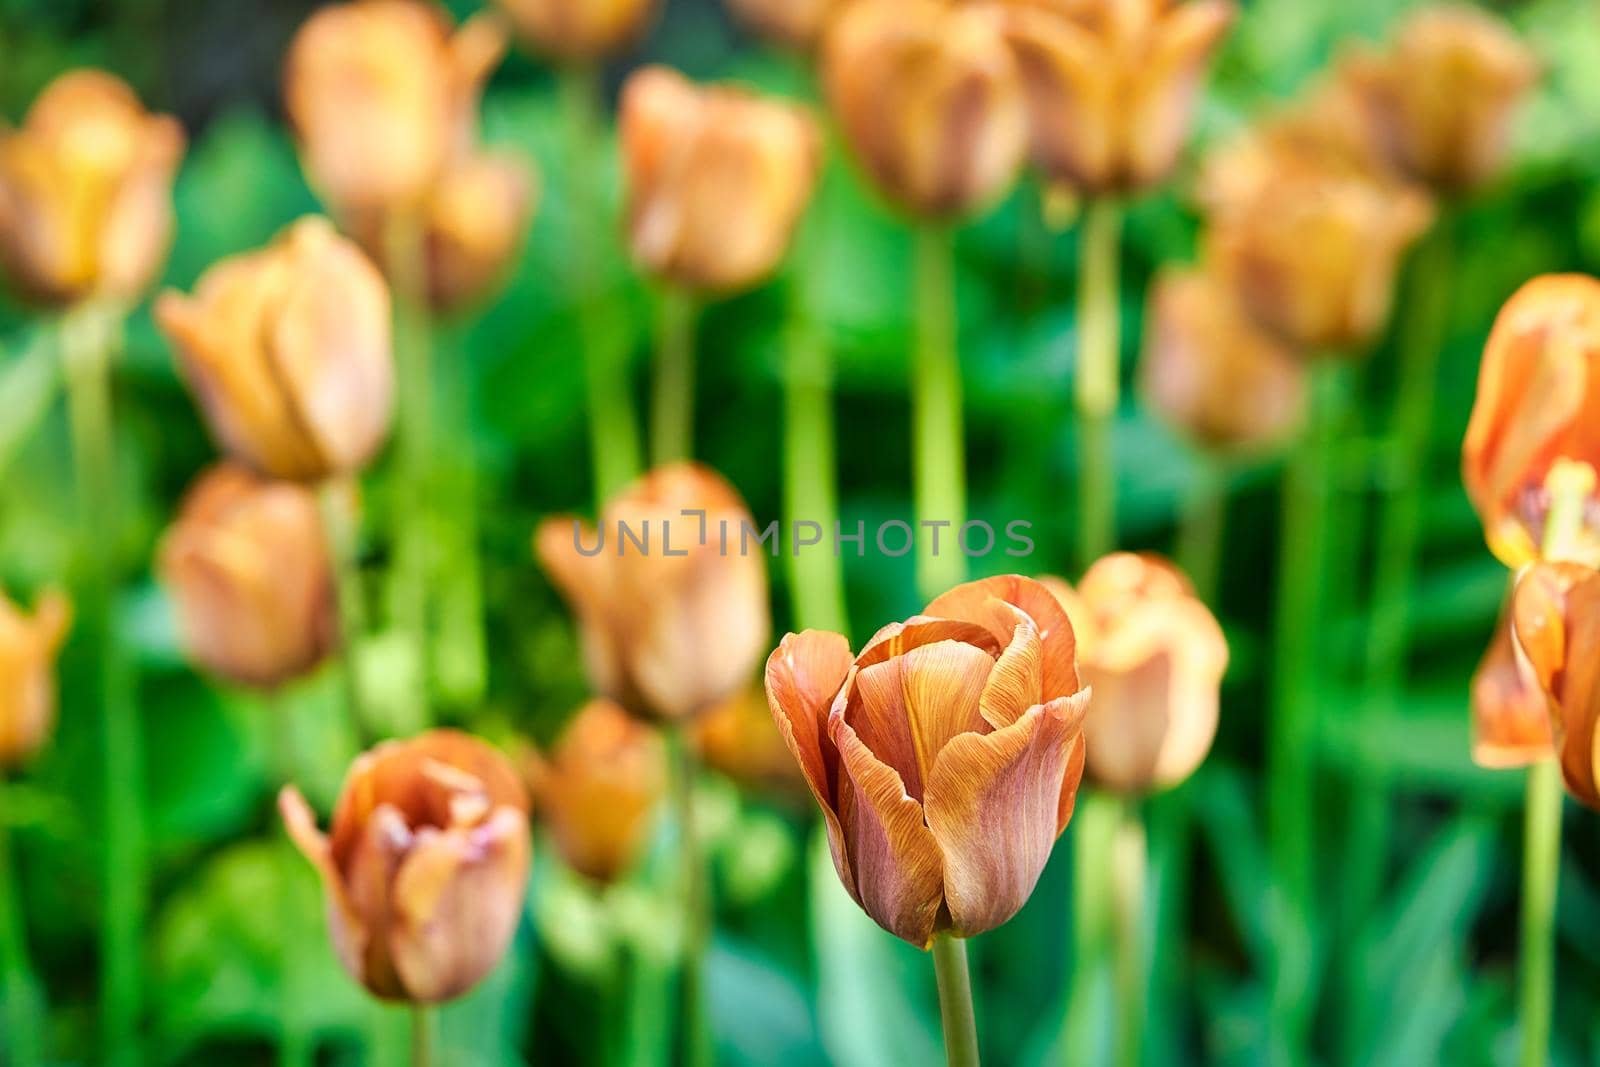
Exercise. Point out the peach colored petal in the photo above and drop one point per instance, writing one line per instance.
(1556, 613)
(969, 602)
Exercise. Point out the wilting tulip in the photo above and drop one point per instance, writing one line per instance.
(795, 23)
(1538, 402)
(929, 100)
(737, 738)
(1556, 612)
(598, 789)
(382, 97)
(287, 351)
(426, 866)
(946, 756)
(1510, 713)
(1439, 100)
(579, 30)
(1111, 84)
(670, 592)
(717, 179)
(28, 647)
(246, 565)
(1212, 373)
(86, 191)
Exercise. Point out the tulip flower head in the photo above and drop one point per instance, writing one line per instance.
(670, 592)
(28, 647)
(717, 179)
(795, 24)
(579, 30)
(426, 866)
(1510, 712)
(946, 756)
(288, 353)
(738, 739)
(86, 192)
(598, 789)
(246, 565)
(1556, 614)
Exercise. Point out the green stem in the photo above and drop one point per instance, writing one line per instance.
(696, 903)
(1094, 834)
(672, 396)
(295, 1048)
(24, 1006)
(939, 475)
(339, 500)
(1201, 528)
(1097, 384)
(1128, 875)
(461, 660)
(87, 338)
(613, 426)
(424, 1025)
(955, 1001)
(1541, 868)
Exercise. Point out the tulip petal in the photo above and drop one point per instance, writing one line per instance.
(1556, 613)
(1018, 677)
(898, 638)
(586, 581)
(969, 602)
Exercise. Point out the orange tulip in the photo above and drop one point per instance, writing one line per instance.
(426, 866)
(929, 100)
(580, 30)
(86, 191)
(1556, 612)
(795, 23)
(946, 756)
(287, 351)
(738, 739)
(717, 179)
(246, 565)
(1510, 713)
(1538, 402)
(1111, 84)
(28, 647)
(670, 594)
(598, 789)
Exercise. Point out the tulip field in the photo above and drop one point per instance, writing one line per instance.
(662, 533)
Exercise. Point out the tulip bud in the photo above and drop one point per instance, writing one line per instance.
(946, 756)
(794, 23)
(1510, 713)
(579, 30)
(382, 97)
(1556, 613)
(426, 866)
(1538, 402)
(597, 791)
(717, 179)
(738, 739)
(28, 648)
(246, 565)
(1439, 100)
(929, 100)
(86, 191)
(287, 351)
(1111, 84)
(1211, 373)
(670, 592)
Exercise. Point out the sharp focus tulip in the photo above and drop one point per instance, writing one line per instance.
(1538, 402)
(579, 30)
(1111, 84)
(717, 179)
(946, 756)
(795, 23)
(929, 101)
(86, 191)
(1154, 658)
(1510, 713)
(598, 789)
(246, 565)
(28, 647)
(1439, 100)
(382, 97)
(287, 351)
(673, 628)
(738, 739)
(1212, 373)
(426, 866)
(1556, 612)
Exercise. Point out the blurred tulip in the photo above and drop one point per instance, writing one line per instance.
(426, 867)
(1111, 84)
(382, 96)
(598, 789)
(717, 179)
(1538, 402)
(794, 23)
(1439, 100)
(946, 757)
(1510, 713)
(246, 565)
(738, 739)
(287, 351)
(1556, 612)
(579, 30)
(1210, 372)
(86, 191)
(929, 100)
(676, 627)
(28, 647)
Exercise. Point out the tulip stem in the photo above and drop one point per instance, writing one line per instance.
(295, 1046)
(696, 903)
(23, 1003)
(1541, 868)
(424, 1023)
(955, 1001)
(939, 444)
(339, 499)
(461, 661)
(1201, 527)
(88, 336)
(1098, 383)
(672, 396)
(1128, 875)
